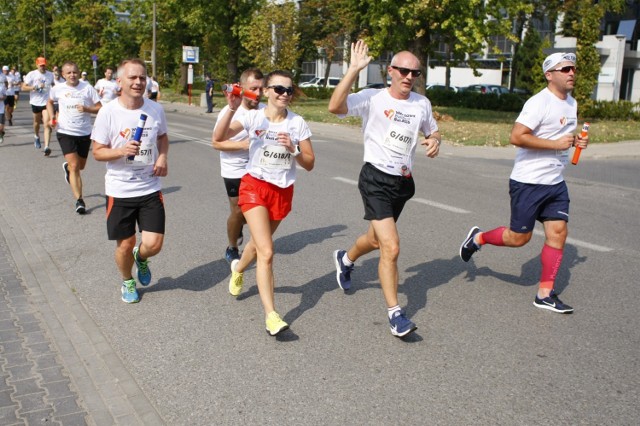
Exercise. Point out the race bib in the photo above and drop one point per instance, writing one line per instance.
(275, 157)
(399, 139)
(144, 157)
(563, 156)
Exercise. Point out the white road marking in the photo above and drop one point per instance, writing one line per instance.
(579, 243)
(191, 138)
(440, 206)
(345, 180)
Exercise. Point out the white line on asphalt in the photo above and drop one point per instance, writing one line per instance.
(345, 180)
(440, 206)
(579, 243)
(191, 138)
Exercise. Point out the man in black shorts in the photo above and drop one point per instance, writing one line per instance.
(38, 82)
(393, 118)
(77, 100)
(10, 100)
(132, 183)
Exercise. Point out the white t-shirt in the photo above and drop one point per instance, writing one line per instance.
(70, 120)
(18, 79)
(110, 88)
(268, 160)
(115, 126)
(3, 94)
(549, 117)
(44, 82)
(391, 127)
(233, 164)
(11, 84)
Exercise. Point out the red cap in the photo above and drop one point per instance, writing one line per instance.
(41, 61)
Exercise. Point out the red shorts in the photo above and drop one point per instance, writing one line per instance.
(255, 192)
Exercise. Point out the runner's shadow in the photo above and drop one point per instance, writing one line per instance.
(530, 271)
(295, 242)
(196, 279)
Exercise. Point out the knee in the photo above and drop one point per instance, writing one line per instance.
(265, 254)
(520, 240)
(153, 247)
(126, 246)
(390, 250)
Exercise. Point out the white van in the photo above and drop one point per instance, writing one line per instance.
(319, 82)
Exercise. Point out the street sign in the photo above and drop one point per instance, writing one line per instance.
(190, 54)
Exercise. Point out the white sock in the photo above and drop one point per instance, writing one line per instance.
(392, 310)
(346, 260)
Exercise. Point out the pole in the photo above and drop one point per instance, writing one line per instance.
(44, 32)
(153, 49)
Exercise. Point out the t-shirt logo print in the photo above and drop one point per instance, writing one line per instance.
(260, 133)
(563, 121)
(389, 113)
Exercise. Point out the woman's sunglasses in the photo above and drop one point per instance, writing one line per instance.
(405, 71)
(281, 90)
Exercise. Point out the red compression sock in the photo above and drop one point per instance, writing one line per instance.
(493, 237)
(551, 259)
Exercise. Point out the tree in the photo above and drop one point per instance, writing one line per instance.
(530, 57)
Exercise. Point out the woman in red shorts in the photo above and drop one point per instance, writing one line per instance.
(279, 139)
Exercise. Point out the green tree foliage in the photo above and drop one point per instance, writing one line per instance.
(529, 57)
(272, 38)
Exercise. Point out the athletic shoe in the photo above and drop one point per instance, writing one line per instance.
(275, 324)
(47, 151)
(552, 303)
(343, 273)
(236, 281)
(400, 325)
(468, 247)
(144, 273)
(65, 167)
(37, 143)
(81, 208)
(231, 254)
(129, 292)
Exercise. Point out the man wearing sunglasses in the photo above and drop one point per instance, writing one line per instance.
(544, 132)
(392, 120)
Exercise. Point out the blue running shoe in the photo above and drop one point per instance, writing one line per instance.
(129, 292)
(231, 254)
(400, 325)
(37, 143)
(144, 273)
(552, 303)
(343, 273)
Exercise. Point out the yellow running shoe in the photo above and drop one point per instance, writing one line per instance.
(236, 281)
(275, 324)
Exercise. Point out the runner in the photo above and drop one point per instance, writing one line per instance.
(279, 140)
(234, 156)
(392, 119)
(543, 132)
(132, 182)
(38, 82)
(77, 100)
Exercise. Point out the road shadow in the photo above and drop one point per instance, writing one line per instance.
(295, 242)
(530, 270)
(200, 278)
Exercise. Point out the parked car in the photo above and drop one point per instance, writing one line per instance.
(441, 87)
(319, 82)
(487, 88)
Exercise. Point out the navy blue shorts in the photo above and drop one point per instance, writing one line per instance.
(383, 195)
(531, 202)
(124, 213)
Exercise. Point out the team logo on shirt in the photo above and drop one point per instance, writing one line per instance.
(125, 133)
(260, 133)
(563, 121)
(389, 113)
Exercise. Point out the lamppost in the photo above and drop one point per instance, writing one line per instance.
(44, 32)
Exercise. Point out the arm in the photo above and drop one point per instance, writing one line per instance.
(102, 152)
(307, 157)
(50, 110)
(522, 136)
(230, 145)
(225, 128)
(359, 60)
(160, 167)
(432, 143)
(90, 109)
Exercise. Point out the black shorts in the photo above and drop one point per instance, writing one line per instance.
(153, 96)
(10, 101)
(124, 213)
(2, 119)
(232, 186)
(383, 195)
(78, 144)
(37, 109)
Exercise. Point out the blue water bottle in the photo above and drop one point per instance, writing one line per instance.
(137, 135)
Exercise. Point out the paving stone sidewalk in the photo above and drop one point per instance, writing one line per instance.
(34, 387)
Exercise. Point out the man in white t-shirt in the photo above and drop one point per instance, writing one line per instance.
(38, 82)
(392, 120)
(9, 100)
(17, 80)
(132, 182)
(107, 87)
(234, 155)
(544, 132)
(76, 100)
(3, 96)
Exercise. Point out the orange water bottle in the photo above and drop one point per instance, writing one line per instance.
(578, 150)
(238, 91)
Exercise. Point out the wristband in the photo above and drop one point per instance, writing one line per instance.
(297, 151)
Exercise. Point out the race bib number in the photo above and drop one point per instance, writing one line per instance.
(275, 157)
(563, 156)
(144, 157)
(398, 139)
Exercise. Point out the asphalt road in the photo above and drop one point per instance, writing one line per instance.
(482, 353)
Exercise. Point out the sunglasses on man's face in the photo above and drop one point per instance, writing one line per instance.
(405, 71)
(281, 90)
(565, 70)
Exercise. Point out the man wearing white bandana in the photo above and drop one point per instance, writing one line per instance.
(392, 119)
(544, 132)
